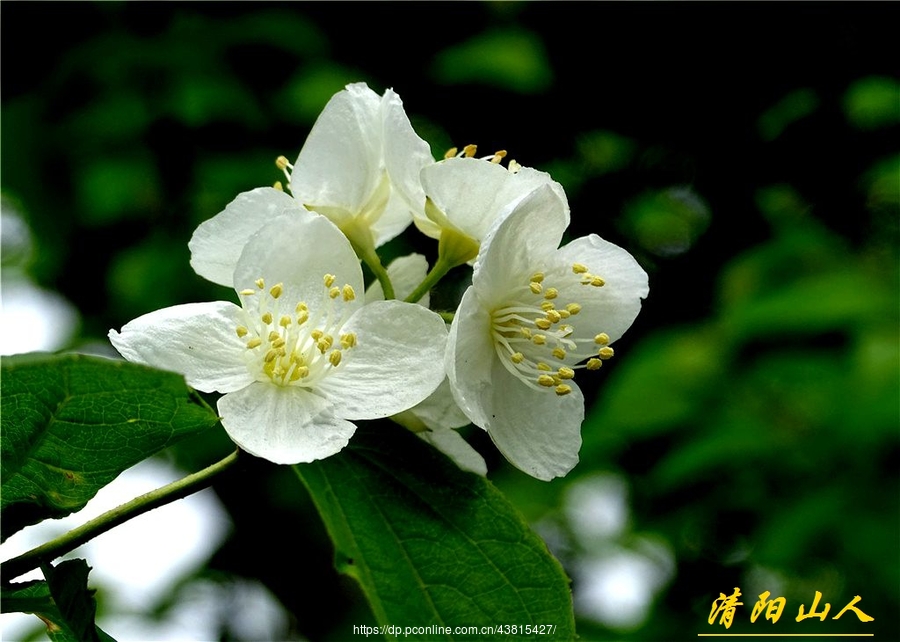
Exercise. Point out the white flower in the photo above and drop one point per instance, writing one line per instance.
(359, 167)
(301, 357)
(467, 196)
(536, 313)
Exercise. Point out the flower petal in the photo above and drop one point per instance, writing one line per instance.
(451, 443)
(297, 250)
(611, 308)
(519, 244)
(340, 163)
(536, 430)
(284, 424)
(405, 272)
(396, 363)
(197, 340)
(405, 154)
(473, 193)
(469, 358)
(217, 243)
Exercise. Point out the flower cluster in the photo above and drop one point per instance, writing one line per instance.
(306, 350)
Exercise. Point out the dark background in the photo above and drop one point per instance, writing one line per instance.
(746, 154)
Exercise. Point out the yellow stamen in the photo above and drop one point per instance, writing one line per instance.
(563, 389)
(255, 342)
(605, 352)
(267, 318)
(241, 331)
(335, 357)
(601, 339)
(593, 364)
(347, 292)
(276, 290)
(546, 381)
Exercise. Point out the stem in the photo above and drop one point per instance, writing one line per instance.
(437, 272)
(138, 506)
(371, 259)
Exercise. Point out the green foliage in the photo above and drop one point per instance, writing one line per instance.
(430, 544)
(512, 59)
(63, 602)
(72, 423)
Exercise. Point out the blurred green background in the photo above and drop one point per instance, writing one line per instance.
(746, 434)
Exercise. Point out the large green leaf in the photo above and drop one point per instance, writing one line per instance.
(71, 423)
(64, 603)
(432, 546)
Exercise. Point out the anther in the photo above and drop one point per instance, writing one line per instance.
(573, 308)
(260, 283)
(593, 364)
(563, 389)
(559, 353)
(284, 321)
(539, 339)
(597, 282)
(241, 331)
(255, 342)
(543, 367)
(565, 373)
(334, 292)
(348, 340)
(605, 352)
(347, 292)
(247, 292)
(553, 316)
(329, 280)
(579, 268)
(267, 318)
(498, 156)
(537, 277)
(273, 336)
(546, 381)
(601, 339)
(277, 185)
(535, 287)
(450, 153)
(270, 355)
(546, 306)
(335, 357)
(543, 324)
(282, 163)
(551, 293)
(470, 150)
(517, 357)
(276, 290)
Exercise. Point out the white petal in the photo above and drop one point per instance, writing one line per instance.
(340, 163)
(284, 424)
(469, 358)
(405, 273)
(197, 340)
(538, 431)
(520, 244)
(297, 250)
(405, 154)
(473, 193)
(452, 444)
(217, 243)
(397, 362)
(395, 218)
(613, 307)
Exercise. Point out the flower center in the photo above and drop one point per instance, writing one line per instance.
(537, 338)
(294, 345)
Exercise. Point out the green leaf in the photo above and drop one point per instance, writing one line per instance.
(432, 546)
(71, 423)
(64, 603)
